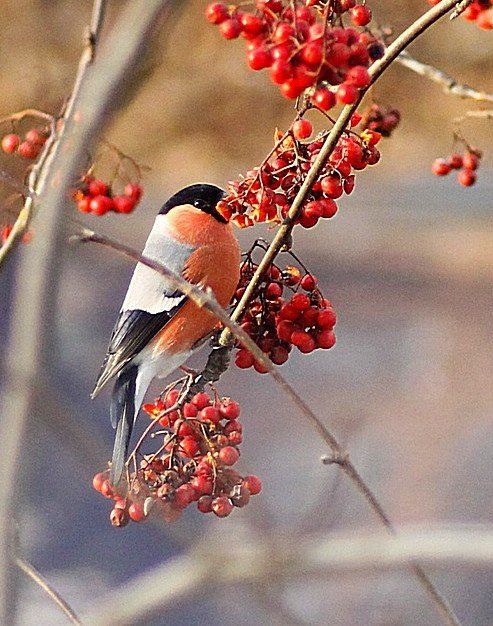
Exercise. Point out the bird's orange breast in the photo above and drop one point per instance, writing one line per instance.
(215, 263)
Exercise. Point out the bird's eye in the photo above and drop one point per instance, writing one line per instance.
(200, 204)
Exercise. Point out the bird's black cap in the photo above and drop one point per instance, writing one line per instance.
(202, 196)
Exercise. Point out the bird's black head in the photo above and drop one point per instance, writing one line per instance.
(202, 196)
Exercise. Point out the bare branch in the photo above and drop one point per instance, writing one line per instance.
(447, 82)
(213, 563)
(34, 575)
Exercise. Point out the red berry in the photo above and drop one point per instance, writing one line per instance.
(302, 129)
(189, 410)
(470, 161)
(347, 94)
(324, 98)
(118, 517)
(360, 15)
(273, 291)
(325, 339)
(189, 446)
(308, 282)
(100, 205)
(358, 76)
(300, 301)
(284, 330)
(279, 355)
(201, 400)
(211, 414)
(202, 484)
(10, 143)
(259, 59)
(229, 409)
(136, 512)
(183, 495)
(98, 188)
(98, 480)
(291, 88)
(228, 455)
(332, 186)
(244, 359)
(253, 484)
(326, 318)
(134, 191)
(303, 340)
(283, 33)
(107, 489)
(222, 506)
(455, 161)
(123, 204)
(329, 207)
(466, 177)
(28, 150)
(216, 12)
(313, 53)
(251, 24)
(281, 71)
(230, 29)
(440, 167)
(84, 204)
(204, 504)
(35, 136)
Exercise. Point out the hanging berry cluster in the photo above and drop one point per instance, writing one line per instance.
(197, 447)
(29, 146)
(95, 196)
(466, 165)
(266, 193)
(301, 45)
(381, 119)
(479, 11)
(288, 310)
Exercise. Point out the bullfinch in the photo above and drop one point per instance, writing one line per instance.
(158, 327)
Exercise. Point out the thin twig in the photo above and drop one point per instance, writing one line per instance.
(276, 559)
(460, 8)
(34, 575)
(447, 82)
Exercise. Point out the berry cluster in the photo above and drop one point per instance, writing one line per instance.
(95, 196)
(302, 47)
(380, 119)
(466, 164)
(479, 11)
(27, 147)
(266, 193)
(197, 449)
(288, 310)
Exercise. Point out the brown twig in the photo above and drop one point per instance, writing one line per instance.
(447, 82)
(34, 575)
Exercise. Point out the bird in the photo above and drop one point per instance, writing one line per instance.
(159, 327)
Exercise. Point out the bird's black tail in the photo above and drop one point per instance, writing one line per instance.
(122, 414)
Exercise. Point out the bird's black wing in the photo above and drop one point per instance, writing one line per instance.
(133, 330)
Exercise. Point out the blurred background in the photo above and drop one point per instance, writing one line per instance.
(407, 263)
